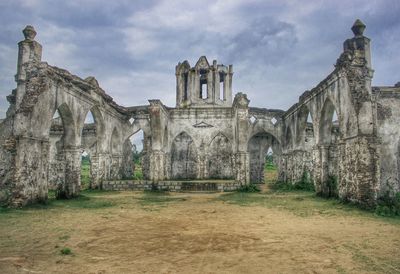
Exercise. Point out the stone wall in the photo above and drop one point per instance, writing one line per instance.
(205, 136)
(388, 121)
(171, 185)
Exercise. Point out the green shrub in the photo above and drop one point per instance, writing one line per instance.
(66, 251)
(138, 175)
(389, 204)
(250, 188)
(305, 184)
(85, 175)
(329, 187)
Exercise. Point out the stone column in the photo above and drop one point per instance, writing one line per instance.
(216, 82)
(241, 109)
(359, 170)
(100, 169)
(95, 170)
(158, 121)
(324, 168)
(210, 86)
(316, 158)
(29, 159)
(72, 182)
(116, 167)
(157, 165)
(359, 165)
(29, 51)
(228, 85)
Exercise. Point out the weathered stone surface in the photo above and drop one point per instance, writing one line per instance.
(206, 136)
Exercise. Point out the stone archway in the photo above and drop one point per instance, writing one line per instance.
(329, 134)
(184, 160)
(257, 148)
(92, 139)
(64, 168)
(220, 164)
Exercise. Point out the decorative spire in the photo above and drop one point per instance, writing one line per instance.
(29, 33)
(358, 28)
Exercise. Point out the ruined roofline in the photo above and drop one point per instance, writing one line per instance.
(259, 110)
(30, 57)
(387, 88)
(308, 94)
(386, 91)
(345, 59)
(137, 109)
(90, 83)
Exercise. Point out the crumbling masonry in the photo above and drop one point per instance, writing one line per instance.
(208, 139)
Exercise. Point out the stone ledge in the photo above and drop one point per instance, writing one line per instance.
(191, 186)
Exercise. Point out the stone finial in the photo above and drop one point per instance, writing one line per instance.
(358, 28)
(93, 81)
(29, 32)
(241, 100)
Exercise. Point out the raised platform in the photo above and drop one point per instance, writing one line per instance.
(182, 186)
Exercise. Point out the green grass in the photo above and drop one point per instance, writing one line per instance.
(66, 251)
(138, 174)
(85, 175)
(270, 167)
(299, 203)
(88, 199)
(157, 199)
(251, 188)
(287, 186)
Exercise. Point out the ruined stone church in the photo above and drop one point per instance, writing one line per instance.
(210, 140)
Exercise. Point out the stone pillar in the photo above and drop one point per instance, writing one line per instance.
(216, 87)
(99, 169)
(195, 90)
(29, 51)
(95, 171)
(316, 158)
(324, 158)
(29, 158)
(242, 167)
(157, 165)
(210, 86)
(158, 121)
(283, 170)
(359, 165)
(228, 85)
(116, 167)
(179, 89)
(359, 170)
(72, 182)
(240, 105)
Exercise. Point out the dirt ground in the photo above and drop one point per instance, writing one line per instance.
(134, 232)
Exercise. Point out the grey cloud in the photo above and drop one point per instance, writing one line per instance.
(278, 48)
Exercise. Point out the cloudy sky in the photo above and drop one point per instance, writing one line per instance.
(278, 48)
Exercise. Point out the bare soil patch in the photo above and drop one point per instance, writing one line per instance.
(134, 232)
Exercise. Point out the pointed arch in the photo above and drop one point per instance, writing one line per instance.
(68, 124)
(183, 67)
(115, 142)
(257, 147)
(202, 63)
(184, 161)
(326, 124)
(95, 127)
(288, 139)
(62, 140)
(305, 127)
(220, 163)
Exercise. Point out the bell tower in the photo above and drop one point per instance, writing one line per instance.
(203, 85)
